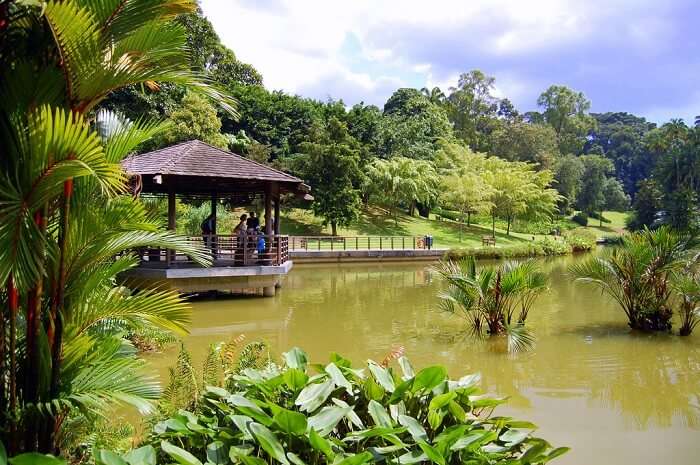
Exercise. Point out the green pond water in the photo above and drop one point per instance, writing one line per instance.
(615, 397)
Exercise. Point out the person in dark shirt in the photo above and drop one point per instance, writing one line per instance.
(253, 222)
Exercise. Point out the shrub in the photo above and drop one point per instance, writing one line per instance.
(346, 416)
(581, 240)
(580, 218)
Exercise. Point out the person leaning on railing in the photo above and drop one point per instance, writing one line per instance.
(240, 232)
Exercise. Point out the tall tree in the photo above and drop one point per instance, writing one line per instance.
(646, 205)
(468, 193)
(569, 178)
(566, 111)
(403, 181)
(472, 108)
(591, 198)
(331, 167)
(532, 143)
(195, 118)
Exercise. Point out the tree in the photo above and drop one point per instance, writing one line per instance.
(591, 198)
(468, 194)
(615, 197)
(435, 95)
(412, 126)
(472, 108)
(565, 110)
(61, 221)
(569, 178)
(331, 167)
(403, 181)
(646, 205)
(194, 119)
(620, 138)
(532, 143)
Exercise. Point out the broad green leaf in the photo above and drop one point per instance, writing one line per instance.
(295, 379)
(457, 411)
(242, 422)
(340, 361)
(325, 421)
(250, 408)
(379, 414)
(388, 434)
(357, 459)
(556, 453)
(216, 453)
(107, 457)
(248, 460)
(400, 391)
(3, 454)
(481, 402)
(432, 453)
(295, 459)
(268, 442)
(372, 389)
(314, 395)
(238, 451)
(413, 456)
(415, 429)
(440, 401)
(290, 422)
(174, 424)
(338, 377)
(520, 424)
(145, 455)
(382, 375)
(513, 437)
(181, 456)
(296, 358)
(428, 378)
(351, 415)
(406, 368)
(217, 391)
(320, 444)
(534, 453)
(471, 438)
(435, 418)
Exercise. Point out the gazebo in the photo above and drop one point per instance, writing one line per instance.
(197, 171)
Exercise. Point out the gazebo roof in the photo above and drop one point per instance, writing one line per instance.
(197, 167)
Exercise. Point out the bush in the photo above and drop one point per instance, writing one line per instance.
(580, 218)
(346, 416)
(581, 240)
(537, 248)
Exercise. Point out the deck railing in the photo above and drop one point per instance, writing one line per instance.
(226, 250)
(298, 243)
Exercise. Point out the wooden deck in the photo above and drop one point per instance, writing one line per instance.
(239, 263)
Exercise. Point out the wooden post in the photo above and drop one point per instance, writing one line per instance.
(213, 241)
(277, 213)
(170, 254)
(268, 209)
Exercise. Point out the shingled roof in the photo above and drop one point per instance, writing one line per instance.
(199, 159)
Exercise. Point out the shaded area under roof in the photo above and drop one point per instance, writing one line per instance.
(195, 167)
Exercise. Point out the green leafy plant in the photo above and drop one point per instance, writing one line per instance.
(493, 300)
(638, 274)
(343, 415)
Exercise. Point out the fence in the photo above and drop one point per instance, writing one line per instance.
(227, 250)
(297, 243)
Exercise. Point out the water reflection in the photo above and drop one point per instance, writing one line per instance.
(587, 366)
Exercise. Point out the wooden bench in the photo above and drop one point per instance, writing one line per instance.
(488, 240)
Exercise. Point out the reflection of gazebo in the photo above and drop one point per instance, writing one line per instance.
(195, 171)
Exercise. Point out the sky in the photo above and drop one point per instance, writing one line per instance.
(639, 56)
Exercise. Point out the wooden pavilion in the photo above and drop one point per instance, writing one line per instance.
(197, 171)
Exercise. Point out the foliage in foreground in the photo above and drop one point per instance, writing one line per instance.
(342, 415)
(493, 300)
(646, 275)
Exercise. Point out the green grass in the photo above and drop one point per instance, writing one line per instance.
(376, 221)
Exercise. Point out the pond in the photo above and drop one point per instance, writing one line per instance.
(613, 396)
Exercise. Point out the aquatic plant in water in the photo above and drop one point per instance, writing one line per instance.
(493, 300)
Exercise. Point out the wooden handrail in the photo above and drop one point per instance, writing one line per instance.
(379, 242)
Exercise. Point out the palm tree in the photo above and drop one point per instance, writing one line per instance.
(493, 300)
(435, 95)
(63, 217)
(638, 274)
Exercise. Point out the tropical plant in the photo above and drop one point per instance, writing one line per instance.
(62, 220)
(686, 286)
(403, 181)
(343, 415)
(493, 300)
(638, 274)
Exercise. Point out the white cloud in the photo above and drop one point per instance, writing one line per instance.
(299, 45)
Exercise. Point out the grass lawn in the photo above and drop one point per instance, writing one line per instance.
(377, 222)
(616, 225)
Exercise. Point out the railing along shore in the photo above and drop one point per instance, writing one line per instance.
(306, 243)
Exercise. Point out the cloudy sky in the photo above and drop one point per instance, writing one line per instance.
(641, 56)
